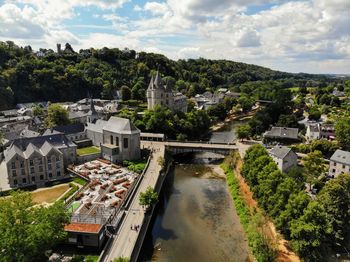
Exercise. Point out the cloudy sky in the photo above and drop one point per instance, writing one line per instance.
(296, 36)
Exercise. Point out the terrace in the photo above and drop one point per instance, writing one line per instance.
(105, 193)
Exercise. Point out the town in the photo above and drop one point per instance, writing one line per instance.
(129, 133)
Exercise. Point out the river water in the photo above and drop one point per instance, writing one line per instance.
(195, 219)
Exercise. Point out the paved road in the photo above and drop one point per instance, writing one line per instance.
(124, 241)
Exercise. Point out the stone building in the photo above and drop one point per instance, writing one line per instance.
(160, 94)
(37, 160)
(284, 157)
(118, 138)
(339, 163)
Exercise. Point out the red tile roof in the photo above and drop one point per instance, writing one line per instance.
(82, 227)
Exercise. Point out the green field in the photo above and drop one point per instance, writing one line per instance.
(88, 150)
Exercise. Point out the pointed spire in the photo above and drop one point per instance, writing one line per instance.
(92, 106)
(150, 86)
(158, 81)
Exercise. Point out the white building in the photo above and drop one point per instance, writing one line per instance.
(339, 163)
(159, 94)
(320, 131)
(118, 138)
(284, 157)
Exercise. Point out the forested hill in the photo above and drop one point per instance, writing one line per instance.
(46, 75)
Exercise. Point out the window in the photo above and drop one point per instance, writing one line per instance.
(167, 102)
(40, 168)
(23, 172)
(57, 158)
(58, 173)
(333, 170)
(49, 167)
(24, 180)
(22, 164)
(49, 159)
(50, 175)
(33, 178)
(32, 170)
(117, 141)
(58, 165)
(14, 173)
(31, 162)
(15, 182)
(334, 164)
(41, 177)
(126, 143)
(13, 165)
(343, 166)
(40, 161)
(111, 140)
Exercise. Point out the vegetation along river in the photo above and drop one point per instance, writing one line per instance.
(195, 219)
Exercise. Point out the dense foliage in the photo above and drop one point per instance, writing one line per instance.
(27, 231)
(313, 226)
(27, 76)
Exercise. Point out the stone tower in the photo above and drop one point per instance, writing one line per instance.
(92, 115)
(155, 92)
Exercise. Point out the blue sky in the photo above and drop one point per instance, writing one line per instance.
(296, 36)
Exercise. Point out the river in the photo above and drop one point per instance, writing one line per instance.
(195, 219)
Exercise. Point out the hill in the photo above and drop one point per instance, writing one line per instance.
(46, 75)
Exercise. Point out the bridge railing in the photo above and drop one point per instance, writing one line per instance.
(199, 142)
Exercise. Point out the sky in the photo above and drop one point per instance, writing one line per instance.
(310, 36)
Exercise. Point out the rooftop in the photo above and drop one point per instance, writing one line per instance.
(341, 156)
(282, 132)
(280, 151)
(84, 228)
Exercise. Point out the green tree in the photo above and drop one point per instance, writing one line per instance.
(37, 110)
(148, 198)
(56, 116)
(314, 114)
(335, 198)
(27, 231)
(125, 93)
(313, 166)
(243, 132)
(342, 131)
(310, 232)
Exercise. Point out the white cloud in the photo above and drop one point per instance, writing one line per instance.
(156, 8)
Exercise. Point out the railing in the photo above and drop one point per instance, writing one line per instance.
(200, 142)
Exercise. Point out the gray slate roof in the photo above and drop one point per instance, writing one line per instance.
(280, 151)
(341, 156)
(121, 126)
(282, 132)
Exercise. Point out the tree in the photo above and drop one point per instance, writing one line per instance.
(243, 132)
(335, 198)
(287, 121)
(27, 231)
(314, 166)
(125, 93)
(310, 232)
(37, 110)
(56, 116)
(342, 131)
(148, 198)
(314, 114)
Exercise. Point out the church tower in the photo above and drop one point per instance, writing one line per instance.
(156, 92)
(92, 115)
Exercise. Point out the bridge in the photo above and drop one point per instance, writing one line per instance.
(195, 146)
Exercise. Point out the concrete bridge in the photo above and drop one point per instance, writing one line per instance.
(195, 146)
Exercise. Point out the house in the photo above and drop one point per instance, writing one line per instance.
(320, 131)
(284, 157)
(74, 132)
(339, 163)
(160, 94)
(118, 138)
(281, 134)
(37, 160)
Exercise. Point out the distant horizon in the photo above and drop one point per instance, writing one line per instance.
(310, 36)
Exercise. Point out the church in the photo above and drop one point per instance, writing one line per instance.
(160, 94)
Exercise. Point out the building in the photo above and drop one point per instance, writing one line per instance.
(339, 163)
(118, 138)
(284, 157)
(320, 131)
(37, 160)
(74, 132)
(281, 134)
(160, 94)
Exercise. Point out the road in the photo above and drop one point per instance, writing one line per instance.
(125, 239)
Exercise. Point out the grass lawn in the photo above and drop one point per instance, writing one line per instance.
(80, 181)
(49, 195)
(74, 206)
(88, 150)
